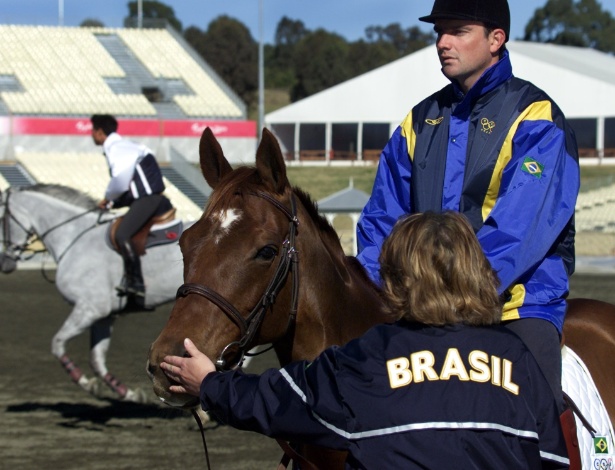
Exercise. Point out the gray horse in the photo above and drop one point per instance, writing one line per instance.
(73, 230)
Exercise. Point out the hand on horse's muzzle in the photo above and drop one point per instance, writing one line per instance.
(189, 371)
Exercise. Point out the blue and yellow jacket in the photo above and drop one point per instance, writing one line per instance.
(406, 396)
(504, 156)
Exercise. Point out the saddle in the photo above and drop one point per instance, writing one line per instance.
(159, 230)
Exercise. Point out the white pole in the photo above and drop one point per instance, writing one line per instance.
(60, 12)
(261, 73)
(140, 14)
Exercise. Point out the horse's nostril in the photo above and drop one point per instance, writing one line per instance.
(151, 368)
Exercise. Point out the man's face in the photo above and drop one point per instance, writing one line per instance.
(465, 50)
(98, 136)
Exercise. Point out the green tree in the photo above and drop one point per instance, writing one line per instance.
(320, 62)
(279, 58)
(405, 41)
(583, 23)
(92, 23)
(154, 13)
(290, 32)
(384, 45)
(365, 56)
(301, 61)
(228, 47)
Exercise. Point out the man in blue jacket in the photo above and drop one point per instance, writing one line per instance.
(499, 150)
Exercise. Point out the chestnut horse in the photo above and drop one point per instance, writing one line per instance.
(262, 266)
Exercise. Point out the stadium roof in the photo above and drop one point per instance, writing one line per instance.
(580, 80)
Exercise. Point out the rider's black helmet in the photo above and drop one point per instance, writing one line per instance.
(493, 13)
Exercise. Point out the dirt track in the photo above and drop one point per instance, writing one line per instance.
(47, 422)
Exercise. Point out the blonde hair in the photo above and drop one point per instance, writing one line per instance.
(434, 271)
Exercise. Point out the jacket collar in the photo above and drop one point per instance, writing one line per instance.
(110, 140)
(491, 78)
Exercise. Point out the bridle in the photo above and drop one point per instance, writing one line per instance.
(248, 326)
(14, 251)
(10, 250)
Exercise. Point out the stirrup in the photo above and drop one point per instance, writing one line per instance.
(138, 291)
(126, 288)
(136, 304)
(121, 291)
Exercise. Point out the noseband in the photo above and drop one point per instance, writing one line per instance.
(12, 250)
(249, 326)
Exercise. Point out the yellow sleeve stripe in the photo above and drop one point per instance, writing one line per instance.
(510, 310)
(540, 110)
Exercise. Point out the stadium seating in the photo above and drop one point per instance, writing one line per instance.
(88, 173)
(595, 210)
(61, 71)
(164, 57)
(68, 71)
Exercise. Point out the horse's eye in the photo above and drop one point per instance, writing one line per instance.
(267, 253)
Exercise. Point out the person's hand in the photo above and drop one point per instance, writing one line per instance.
(189, 372)
(104, 205)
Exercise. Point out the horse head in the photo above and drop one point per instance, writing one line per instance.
(32, 215)
(260, 266)
(16, 233)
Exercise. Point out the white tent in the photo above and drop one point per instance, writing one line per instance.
(339, 122)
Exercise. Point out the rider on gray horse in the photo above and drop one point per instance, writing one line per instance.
(136, 181)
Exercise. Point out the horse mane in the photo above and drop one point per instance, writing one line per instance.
(331, 239)
(326, 229)
(63, 193)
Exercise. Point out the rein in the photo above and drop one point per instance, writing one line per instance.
(70, 245)
(248, 327)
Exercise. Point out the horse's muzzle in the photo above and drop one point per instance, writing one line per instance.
(161, 384)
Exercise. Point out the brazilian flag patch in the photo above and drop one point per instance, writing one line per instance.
(532, 167)
(600, 445)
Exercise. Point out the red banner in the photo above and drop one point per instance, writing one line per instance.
(219, 128)
(40, 126)
(128, 127)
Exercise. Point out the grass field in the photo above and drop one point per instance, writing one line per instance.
(321, 181)
(593, 177)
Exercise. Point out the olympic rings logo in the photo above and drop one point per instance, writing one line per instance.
(603, 464)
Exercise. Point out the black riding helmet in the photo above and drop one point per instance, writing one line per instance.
(493, 13)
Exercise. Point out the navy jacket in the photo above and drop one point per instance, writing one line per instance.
(406, 396)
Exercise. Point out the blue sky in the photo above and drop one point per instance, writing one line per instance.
(348, 18)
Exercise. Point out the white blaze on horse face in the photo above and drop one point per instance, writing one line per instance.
(226, 219)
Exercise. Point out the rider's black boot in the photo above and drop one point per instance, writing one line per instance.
(132, 283)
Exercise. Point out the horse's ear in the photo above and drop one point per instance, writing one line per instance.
(214, 164)
(270, 163)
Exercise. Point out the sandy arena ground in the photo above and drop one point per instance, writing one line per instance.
(49, 423)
